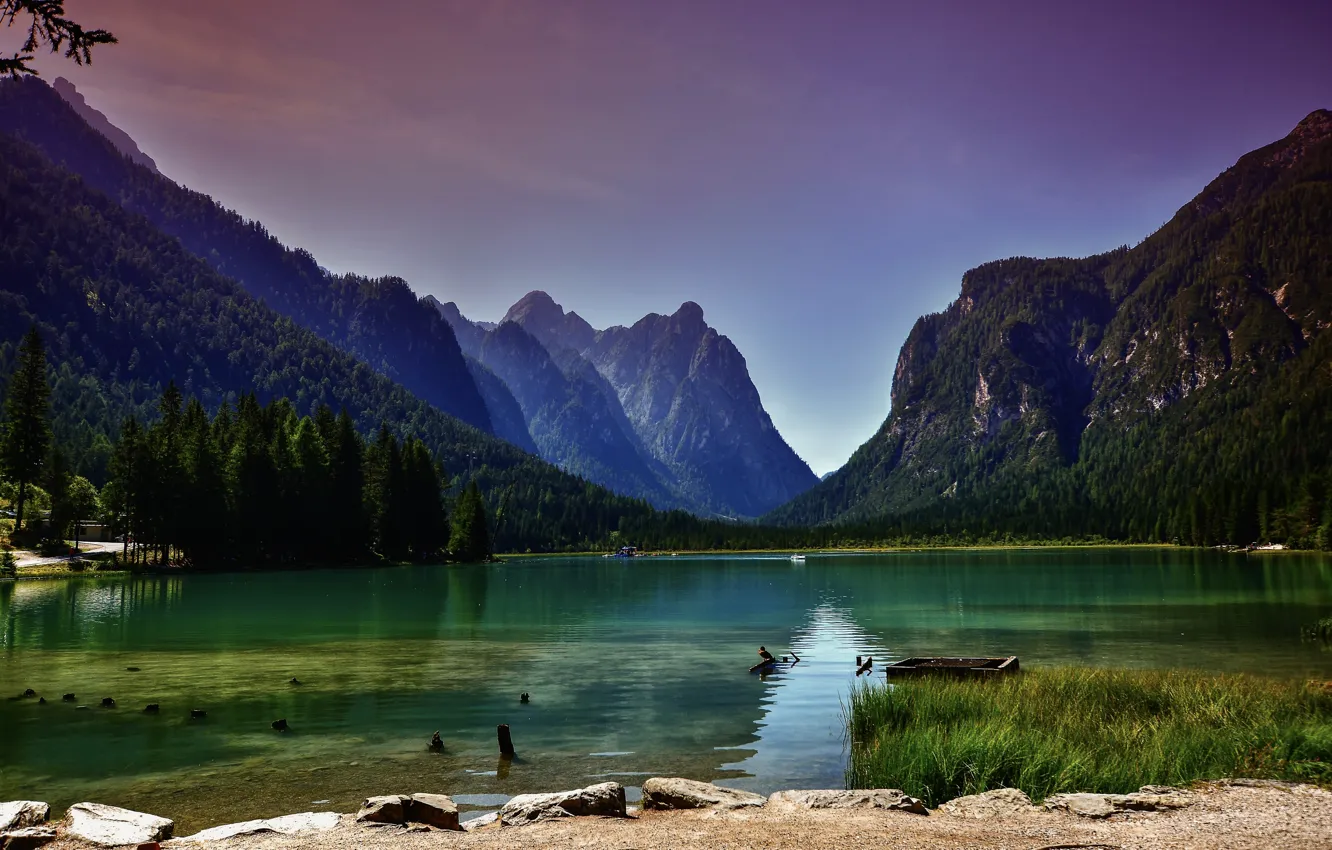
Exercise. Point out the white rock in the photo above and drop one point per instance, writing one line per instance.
(605, 799)
(478, 822)
(111, 826)
(285, 825)
(999, 803)
(877, 798)
(1151, 798)
(18, 814)
(673, 793)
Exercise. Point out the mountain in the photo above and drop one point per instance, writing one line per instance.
(381, 321)
(686, 391)
(664, 409)
(1176, 390)
(99, 122)
(574, 422)
(125, 308)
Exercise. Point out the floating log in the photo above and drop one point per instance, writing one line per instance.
(505, 740)
(982, 668)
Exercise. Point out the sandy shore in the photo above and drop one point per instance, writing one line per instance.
(1261, 816)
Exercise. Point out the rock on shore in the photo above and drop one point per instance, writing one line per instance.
(285, 825)
(673, 793)
(1150, 798)
(605, 799)
(437, 810)
(999, 803)
(111, 826)
(878, 798)
(21, 814)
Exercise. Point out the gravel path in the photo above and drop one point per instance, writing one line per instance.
(1261, 816)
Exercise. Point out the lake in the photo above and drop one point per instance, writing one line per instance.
(635, 667)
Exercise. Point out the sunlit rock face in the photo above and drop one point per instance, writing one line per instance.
(664, 408)
(1126, 393)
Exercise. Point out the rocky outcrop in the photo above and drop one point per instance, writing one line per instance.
(1151, 798)
(99, 122)
(999, 803)
(285, 825)
(19, 814)
(673, 793)
(1084, 380)
(605, 799)
(437, 810)
(111, 826)
(879, 798)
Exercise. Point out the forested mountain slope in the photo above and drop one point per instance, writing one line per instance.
(124, 309)
(381, 321)
(1180, 389)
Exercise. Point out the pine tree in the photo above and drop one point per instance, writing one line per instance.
(470, 539)
(26, 439)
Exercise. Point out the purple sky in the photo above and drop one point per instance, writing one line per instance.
(816, 175)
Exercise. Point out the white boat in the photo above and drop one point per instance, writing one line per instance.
(797, 557)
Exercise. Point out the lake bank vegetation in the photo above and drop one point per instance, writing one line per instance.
(1097, 730)
(253, 483)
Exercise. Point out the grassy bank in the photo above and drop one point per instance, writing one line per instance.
(1111, 731)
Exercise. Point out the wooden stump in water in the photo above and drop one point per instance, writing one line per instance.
(505, 740)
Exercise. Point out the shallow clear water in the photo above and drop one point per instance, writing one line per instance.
(634, 667)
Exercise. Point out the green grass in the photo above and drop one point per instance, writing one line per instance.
(1108, 731)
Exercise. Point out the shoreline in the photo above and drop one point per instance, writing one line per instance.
(122, 572)
(1226, 813)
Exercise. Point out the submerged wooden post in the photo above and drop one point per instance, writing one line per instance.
(505, 741)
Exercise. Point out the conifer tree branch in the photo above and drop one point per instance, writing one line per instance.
(48, 27)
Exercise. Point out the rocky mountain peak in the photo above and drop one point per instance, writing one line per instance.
(99, 122)
(546, 320)
(689, 312)
(1317, 125)
(535, 304)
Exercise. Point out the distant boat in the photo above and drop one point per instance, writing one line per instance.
(798, 558)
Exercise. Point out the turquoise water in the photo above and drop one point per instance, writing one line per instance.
(634, 667)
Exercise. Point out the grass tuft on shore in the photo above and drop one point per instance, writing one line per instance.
(1098, 730)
